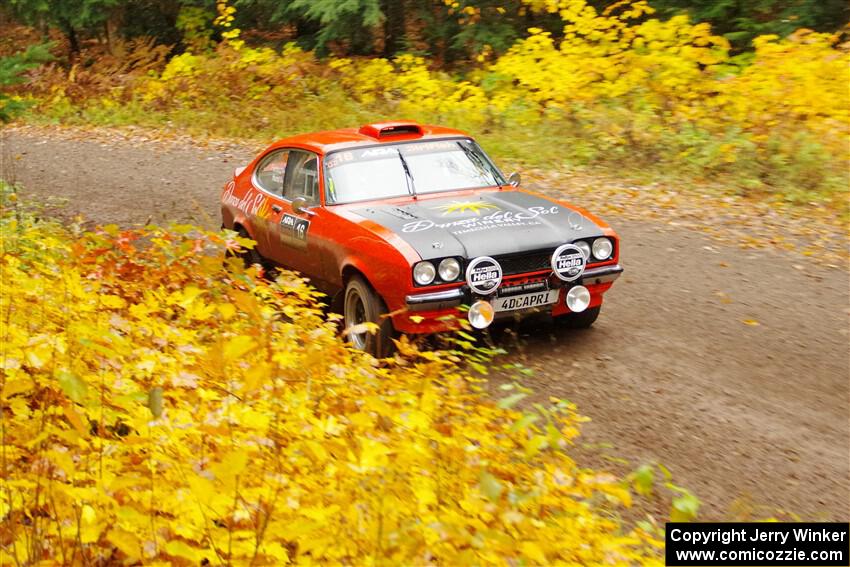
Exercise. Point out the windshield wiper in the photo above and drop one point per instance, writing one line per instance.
(478, 162)
(411, 186)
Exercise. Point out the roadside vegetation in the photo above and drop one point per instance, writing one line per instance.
(653, 95)
(159, 402)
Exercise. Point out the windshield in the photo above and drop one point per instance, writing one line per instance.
(413, 168)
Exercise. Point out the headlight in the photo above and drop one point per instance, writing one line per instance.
(424, 272)
(602, 248)
(449, 270)
(481, 314)
(578, 298)
(584, 247)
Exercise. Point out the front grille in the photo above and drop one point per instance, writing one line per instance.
(525, 262)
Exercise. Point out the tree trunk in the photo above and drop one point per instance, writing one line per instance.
(394, 25)
(111, 26)
(73, 41)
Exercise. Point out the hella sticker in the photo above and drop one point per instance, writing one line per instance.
(483, 275)
(568, 262)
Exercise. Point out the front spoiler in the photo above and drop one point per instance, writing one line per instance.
(446, 299)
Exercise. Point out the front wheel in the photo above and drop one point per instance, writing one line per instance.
(363, 305)
(581, 320)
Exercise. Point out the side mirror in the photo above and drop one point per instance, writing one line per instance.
(299, 205)
(514, 179)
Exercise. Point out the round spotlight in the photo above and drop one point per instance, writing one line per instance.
(481, 314)
(584, 247)
(602, 248)
(424, 273)
(578, 298)
(484, 275)
(449, 270)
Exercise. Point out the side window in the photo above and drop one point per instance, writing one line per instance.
(270, 171)
(302, 177)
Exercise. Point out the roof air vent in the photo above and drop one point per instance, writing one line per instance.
(391, 130)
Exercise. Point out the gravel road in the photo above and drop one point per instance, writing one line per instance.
(753, 418)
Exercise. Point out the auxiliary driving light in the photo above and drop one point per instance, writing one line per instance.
(578, 298)
(481, 314)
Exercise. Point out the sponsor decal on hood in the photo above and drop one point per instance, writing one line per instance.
(489, 223)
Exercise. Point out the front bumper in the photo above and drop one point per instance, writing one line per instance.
(435, 301)
(601, 275)
(440, 301)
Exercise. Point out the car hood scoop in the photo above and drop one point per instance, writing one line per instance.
(488, 223)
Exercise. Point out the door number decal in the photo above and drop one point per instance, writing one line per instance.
(293, 231)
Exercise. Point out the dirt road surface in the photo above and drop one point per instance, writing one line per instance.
(750, 417)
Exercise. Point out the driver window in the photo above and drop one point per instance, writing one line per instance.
(302, 177)
(270, 172)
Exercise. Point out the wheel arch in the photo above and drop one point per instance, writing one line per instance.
(349, 271)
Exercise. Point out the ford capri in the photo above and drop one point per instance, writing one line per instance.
(412, 227)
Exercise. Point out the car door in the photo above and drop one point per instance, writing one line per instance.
(295, 237)
(268, 179)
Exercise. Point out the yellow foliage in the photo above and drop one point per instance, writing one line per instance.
(158, 408)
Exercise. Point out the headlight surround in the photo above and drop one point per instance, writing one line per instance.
(424, 273)
(449, 269)
(584, 247)
(603, 248)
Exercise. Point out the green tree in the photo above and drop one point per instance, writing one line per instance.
(72, 17)
(742, 20)
(353, 24)
(12, 71)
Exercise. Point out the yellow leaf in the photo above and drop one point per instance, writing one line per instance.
(373, 454)
(189, 295)
(89, 529)
(533, 552)
(238, 347)
(178, 548)
(126, 542)
(113, 301)
(227, 310)
(418, 420)
(751, 322)
(232, 464)
(16, 386)
(74, 418)
(423, 488)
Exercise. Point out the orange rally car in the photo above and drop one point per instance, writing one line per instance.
(411, 226)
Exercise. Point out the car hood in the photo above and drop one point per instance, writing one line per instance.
(490, 223)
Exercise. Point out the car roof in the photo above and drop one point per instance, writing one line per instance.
(369, 135)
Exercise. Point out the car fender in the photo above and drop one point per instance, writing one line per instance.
(387, 272)
(384, 259)
(232, 217)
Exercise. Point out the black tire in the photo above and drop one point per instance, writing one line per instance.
(360, 305)
(250, 255)
(581, 320)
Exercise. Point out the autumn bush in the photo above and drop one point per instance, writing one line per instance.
(619, 87)
(161, 404)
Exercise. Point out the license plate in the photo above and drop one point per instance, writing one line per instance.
(526, 300)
